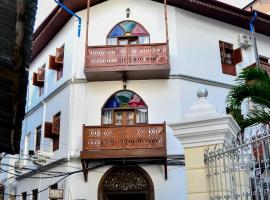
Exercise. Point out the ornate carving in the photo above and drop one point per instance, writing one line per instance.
(109, 56)
(125, 179)
(103, 138)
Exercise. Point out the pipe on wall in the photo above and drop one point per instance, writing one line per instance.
(60, 3)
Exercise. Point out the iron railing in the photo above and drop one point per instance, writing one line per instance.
(240, 170)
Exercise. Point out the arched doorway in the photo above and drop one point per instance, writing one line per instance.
(126, 183)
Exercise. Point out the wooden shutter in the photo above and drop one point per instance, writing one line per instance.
(52, 64)
(228, 69)
(56, 143)
(56, 125)
(48, 130)
(222, 51)
(38, 137)
(34, 81)
(237, 56)
(41, 74)
(59, 58)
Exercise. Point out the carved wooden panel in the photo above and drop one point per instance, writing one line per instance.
(144, 137)
(109, 56)
(125, 179)
(134, 137)
(147, 55)
(103, 138)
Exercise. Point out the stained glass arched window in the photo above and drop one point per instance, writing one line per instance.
(124, 107)
(128, 32)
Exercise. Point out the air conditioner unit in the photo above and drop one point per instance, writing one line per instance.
(244, 41)
(41, 157)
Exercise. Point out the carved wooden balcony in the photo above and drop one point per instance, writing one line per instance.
(265, 66)
(138, 141)
(137, 62)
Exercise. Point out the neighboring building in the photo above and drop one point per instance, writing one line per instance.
(102, 105)
(259, 5)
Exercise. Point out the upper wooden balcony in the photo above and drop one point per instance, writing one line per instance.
(263, 65)
(135, 62)
(136, 141)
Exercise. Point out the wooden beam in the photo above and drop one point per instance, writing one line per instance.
(87, 30)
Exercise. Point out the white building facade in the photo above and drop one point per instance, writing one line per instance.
(64, 96)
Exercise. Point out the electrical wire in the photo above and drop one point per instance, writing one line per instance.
(69, 174)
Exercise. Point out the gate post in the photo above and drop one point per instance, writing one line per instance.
(200, 128)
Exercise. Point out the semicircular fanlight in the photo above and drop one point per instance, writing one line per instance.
(127, 29)
(125, 99)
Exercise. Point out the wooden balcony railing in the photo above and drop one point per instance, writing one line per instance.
(263, 65)
(124, 141)
(128, 58)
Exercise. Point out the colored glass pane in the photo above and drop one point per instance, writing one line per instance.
(117, 32)
(112, 103)
(139, 31)
(125, 99)
(128, 26)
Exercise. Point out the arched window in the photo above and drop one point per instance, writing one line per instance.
(124, 108)
(128, 32)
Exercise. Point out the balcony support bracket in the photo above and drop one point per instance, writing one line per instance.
(165, 168)
(85, 170)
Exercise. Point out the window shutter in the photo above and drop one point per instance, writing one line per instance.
(56, 143)
(48, 130)
(222, 51)
(41, 74)
(237, 56)
(56, 125)
(59, 55)
(228, 69)
(52, 64)
(36, 82)
(35, 79)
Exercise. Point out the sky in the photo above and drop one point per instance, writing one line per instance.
(44, 9)
(46, 6)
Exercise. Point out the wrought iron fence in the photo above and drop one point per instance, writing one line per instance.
(240, 169)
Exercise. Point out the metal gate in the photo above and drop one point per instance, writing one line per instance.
(240, 169)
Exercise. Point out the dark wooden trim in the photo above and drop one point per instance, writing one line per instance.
(151, 191)
(134, 153)
(133, 72)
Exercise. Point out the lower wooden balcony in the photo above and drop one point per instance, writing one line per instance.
(135, 62)
(138, 141)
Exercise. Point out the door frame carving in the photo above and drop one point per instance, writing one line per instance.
(150, 186)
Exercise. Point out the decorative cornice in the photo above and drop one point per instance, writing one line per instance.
(201, 80)
(206, 131)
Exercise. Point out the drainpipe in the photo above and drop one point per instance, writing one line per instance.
(73, 14)
(252, 30)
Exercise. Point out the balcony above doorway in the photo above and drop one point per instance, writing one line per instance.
(136, 141)
(136, 62)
